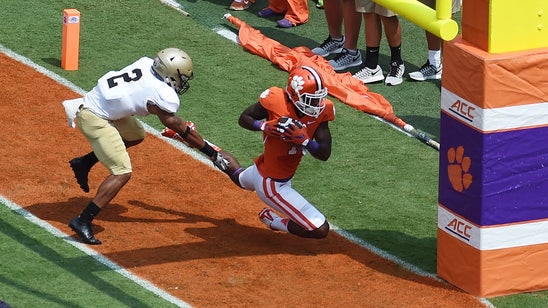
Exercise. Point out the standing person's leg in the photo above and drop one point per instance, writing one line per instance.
(333, 11)
(371, 71)
(352, 24)
(335, 42)
(393, 32)
(349, 56)
(432, 68)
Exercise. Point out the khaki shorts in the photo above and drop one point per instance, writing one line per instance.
(368, 6)
(107, 139)
(432, 4)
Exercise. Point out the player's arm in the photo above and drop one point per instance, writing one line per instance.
(191, 136)
(254, 118)
(175, 123)
(320, 145)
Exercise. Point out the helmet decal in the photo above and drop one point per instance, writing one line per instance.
(306, 90)
(297, 83)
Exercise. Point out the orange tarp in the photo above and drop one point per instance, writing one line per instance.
(344, 87)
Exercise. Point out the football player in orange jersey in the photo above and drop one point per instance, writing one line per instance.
(294, 121)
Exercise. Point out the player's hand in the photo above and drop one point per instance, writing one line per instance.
(270, 128)
(295, 132)
(220, 162)
(285, 123)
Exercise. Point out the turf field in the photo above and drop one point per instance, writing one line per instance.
(380, 185)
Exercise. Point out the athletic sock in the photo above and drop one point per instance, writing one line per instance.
(395, 55)
(90, 159)
(279, 224)
(352, 51)
(434, 57)
(371, 57)
(89, 213)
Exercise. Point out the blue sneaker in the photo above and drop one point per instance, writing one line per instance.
(266, 12)
(284, 23)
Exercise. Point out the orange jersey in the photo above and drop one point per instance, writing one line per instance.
(280, 158)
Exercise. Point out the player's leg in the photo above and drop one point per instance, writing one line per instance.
(110, 149)
(301, 217)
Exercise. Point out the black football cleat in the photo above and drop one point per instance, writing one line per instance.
(84, 231)
(81, 172)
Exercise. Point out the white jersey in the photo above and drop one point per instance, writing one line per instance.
(123, 93)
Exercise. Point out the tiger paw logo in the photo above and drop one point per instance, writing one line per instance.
(297, 83)
(458, 169)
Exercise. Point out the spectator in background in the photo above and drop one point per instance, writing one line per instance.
(432, 69)
(296, 12)
(375, 17)
(345, 46)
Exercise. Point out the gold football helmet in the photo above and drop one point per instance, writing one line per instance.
(174, 66)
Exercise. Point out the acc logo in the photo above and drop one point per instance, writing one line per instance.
(458, 169)
(463, 110)
(459, 228)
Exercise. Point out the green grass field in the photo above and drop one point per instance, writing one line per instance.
(379, 184)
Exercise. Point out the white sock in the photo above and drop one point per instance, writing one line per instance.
(434, 57)
(279, 224)
(353, 51)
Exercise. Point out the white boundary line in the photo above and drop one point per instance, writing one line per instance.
(92, 253)
(146, 284)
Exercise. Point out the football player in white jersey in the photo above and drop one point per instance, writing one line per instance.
(105, 116)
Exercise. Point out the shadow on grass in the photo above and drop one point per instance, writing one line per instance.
(83, 267)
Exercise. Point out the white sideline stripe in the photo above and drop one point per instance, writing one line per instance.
(229, 35)
(92, 253)
(206, 161)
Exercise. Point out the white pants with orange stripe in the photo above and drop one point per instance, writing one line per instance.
(281, 197)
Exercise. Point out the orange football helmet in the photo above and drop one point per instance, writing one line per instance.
(306, 90)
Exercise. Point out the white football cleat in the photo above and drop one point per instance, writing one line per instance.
(267, 216)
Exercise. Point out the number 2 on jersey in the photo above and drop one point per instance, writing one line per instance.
(127, 78)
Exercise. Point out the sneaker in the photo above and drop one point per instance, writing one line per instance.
(427, 71)
(345, 60)
(266, 12)
(267, 216)
(395, 75)
(284, 23)
(329, 46)
(240, 5)
(81, 171)
(84, 231)
(319, 4)
(367, 75)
